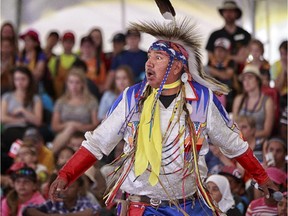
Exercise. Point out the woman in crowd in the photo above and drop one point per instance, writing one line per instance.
(8, 32)
(256, 49)
(20, 108)
(96, 70)
(123, 79)
(97, 37)
(219, 189)
(254, 103)
(76, 110)
(32, 55)
(8, 55)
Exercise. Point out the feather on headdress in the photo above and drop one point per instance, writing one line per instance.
(183, 32)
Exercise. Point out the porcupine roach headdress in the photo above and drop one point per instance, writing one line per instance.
(184, 34)
(181, 32)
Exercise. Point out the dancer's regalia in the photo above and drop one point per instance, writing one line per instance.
(162, 167)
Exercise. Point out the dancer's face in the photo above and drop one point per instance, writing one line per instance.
(156, 67)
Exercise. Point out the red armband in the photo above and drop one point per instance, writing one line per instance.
(250, 163)
(77, 165)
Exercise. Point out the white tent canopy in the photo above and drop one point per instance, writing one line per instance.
(266, 20)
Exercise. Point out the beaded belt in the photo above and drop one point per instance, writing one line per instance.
(155, 202)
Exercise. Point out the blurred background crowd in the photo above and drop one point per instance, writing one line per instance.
(49, 100)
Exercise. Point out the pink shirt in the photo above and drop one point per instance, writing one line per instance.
(37, 198)
(258, 207)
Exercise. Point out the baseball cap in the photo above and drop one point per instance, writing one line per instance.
(222, 42)
(276, 175)
(24, 172)
(252, 69)
(132, 32)
(32, 34)
(68, 36)
(119, 37)
(232, 171)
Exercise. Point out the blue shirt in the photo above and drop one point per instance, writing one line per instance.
(58, 207)
(136, 60)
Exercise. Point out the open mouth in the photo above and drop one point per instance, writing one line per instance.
(150, 73)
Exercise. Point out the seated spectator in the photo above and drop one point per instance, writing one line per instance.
(119, 42)
(8, 31)
(219, 189)
(25, 192)
(45, 155)
(20, 109)
(63, 155)
(256, 56)
(28, 155)
(97, 37)
(268, 206)
(237, 187)
(275, 96)
(123, 79)
(133, 56)
(59, 66)
(254, 103)
(76, 110)
(51, 42)
(74, 203)
(75, 140)
(81, 65)
(33, 57)
(96, 67)
(8, 54)
(275, 153)
(247, 126)
(215, 160)
(279, 74)
(282, 205)
(222, 68)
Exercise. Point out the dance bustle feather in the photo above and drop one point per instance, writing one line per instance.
(166, 9)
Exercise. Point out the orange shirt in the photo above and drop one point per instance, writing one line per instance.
(98, 77)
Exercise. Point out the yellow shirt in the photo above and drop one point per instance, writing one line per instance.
(276, 70)
(66, 61)
(46, 158)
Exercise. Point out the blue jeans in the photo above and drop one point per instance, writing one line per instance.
(198, 208)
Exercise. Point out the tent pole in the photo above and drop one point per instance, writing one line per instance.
(123, 15)
(18, 15)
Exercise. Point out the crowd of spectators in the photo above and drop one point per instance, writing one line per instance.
(49, 101)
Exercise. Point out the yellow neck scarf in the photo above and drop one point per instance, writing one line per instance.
(149, 142)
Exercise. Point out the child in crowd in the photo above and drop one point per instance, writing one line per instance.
(221, 67)
(27, 155)
(64, 154)
(60, 65)
(264, 205)
(25, 192)
(74, 203)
